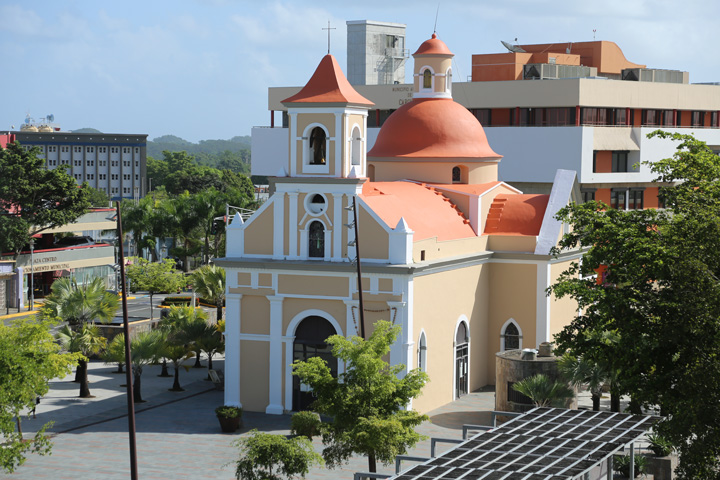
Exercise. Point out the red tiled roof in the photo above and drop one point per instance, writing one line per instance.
(427, 212)
(328, 85)
(516, 215)
(434, 46)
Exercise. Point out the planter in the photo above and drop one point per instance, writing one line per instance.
(230, 424)
(662, 468)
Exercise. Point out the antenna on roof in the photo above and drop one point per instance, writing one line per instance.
(513, 48)
(328, 29)
(436, 17)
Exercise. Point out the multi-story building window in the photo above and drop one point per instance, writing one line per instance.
(588, 195)
(90, 149)
(90, 176)
(126, 177)
(635, 199)
(126, 163)
(137, 163)
(115, 163)
(137, 177)
(52, 148)
(78, 176)
(114, 150)
(103, 163)
(90, 163)
(115, 190)
(126, 150)
(126, 190)
(102, 149)
(78, 163)
(77, 149)
(137, 149)
(65, 149)
(102, 176)
(617, 198)
(620, 161)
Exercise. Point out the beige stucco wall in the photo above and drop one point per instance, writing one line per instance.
(564, 310)
(259, 232)
(513, 294)
(254, 366)
(512, 243)
(255, 315)
(435, 250)
(373, 237)
(313, 285)
(440, 300)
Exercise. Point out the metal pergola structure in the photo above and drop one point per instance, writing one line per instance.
(542, 444)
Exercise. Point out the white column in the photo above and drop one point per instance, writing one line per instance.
(232, 352)
(275, 380)
(289, 342)
(293, 134)
(278, 224)
(542, 316)
(337, 227)
(293, 225)
(401, 350)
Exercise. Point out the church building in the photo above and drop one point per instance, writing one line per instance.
(459, 260)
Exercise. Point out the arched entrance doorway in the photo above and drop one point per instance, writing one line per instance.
(309, 342)
(461, 360)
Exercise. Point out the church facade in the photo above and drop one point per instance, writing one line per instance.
(459, 260)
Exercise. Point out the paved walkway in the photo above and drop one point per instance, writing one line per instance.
(178, 435)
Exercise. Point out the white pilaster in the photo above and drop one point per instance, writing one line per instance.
(293, 226)
(275, 380)
(401, 350)
(352, 327)
(542, 326)
(278, 224)
(232, 353)
(337, 227)
(292, 129)
(289, 342)
(339, 141)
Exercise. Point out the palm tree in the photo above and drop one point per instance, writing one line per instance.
(87, 340)
(115, 352)
(211, 342)
(209, 282)
(579, 372)
(178, 327)
(145, 348)
(545, 392)
(79, 304)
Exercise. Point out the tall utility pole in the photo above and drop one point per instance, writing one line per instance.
(128, 361)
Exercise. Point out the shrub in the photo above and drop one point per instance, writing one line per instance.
(659, 445)
(227, 411)
(265, 456)
(621, 465)
(306, 424)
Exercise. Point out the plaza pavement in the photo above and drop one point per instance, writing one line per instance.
(178, 435)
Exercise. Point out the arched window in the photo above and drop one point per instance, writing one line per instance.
(316, 237)
(448, 80)
(456, 175)
(355, 147)
(310, 337)
(511, 337)
(317, 204)
(317, 146)
(462, 353)
(422, 353)
(427, 78)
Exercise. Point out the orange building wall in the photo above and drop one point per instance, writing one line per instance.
(500, 116)
(603, 161)
(607, 57)
(650, 198)
(636, 117)
(603, 195)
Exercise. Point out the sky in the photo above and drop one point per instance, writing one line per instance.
(200, 69)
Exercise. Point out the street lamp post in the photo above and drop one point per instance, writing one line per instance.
(31, 307)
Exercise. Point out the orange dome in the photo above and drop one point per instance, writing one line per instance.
(432, 128)
(434, 46)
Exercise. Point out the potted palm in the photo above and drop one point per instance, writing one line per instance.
(230, 418)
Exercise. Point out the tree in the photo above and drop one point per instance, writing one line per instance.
(154, 277)
(79, 304)
(368, 402)
(145, 348)
(655, 313)
(87, 341)
(97, 198)
(267, 456)
(29, 359)
(211, 342)
(34, 198)
(544, 391)
(115, 352)
(208, 281)
(579, 372)
(179, 344)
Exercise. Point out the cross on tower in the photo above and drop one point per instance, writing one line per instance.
(328, 29)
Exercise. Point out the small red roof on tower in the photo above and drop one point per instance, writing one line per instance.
(434, 46)
(328, 85)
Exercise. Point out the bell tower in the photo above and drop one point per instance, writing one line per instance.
(327, 126)
(433, 70)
